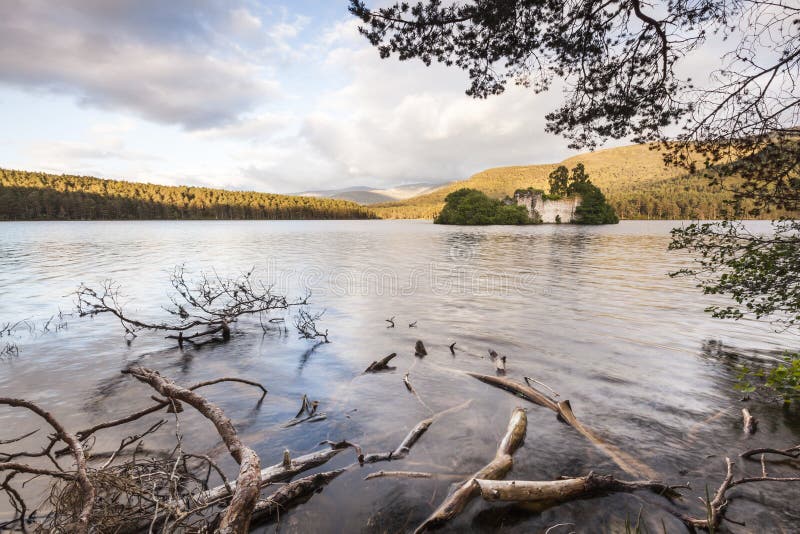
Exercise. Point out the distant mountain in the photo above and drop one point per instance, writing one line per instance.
(370, 195)
(634, 179)
(34, 195)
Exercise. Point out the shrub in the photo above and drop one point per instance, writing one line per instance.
(470, 206)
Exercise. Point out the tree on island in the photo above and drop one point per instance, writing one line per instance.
(470, 206)
(593, 208)
(620, 64)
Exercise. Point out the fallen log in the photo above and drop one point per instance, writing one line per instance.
(520, 390)
(407, 382)
(625, 461)
(405, 446)
(567, 489)
(749, 423)
(292, 493)
(411, 438)
(236, 518)
(563, 410)
(496, 469)
(381, 365)
(309, 408)
(275, 473)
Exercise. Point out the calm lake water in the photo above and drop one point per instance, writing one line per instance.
(590, 312)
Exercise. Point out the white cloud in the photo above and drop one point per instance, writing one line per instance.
(254, 128)
(342, 117)
(160, 79)
(402, 122)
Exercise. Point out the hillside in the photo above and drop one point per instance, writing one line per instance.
(634, 179)
(33, 195)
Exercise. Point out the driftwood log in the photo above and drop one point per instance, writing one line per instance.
(405, 446)
(270, 475)
(411, 438)
(567, 489)
(563, 410)
(749, 423)
(381, 365)
(236, 519)
(291, 493)
(496, 469)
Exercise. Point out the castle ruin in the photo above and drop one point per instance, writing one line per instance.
(545, 210)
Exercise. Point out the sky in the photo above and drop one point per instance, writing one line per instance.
(243, 94)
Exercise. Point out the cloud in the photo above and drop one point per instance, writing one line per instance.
(159, 60)
(402, 122)
(273, 100)
(255, 128)
(69, 153)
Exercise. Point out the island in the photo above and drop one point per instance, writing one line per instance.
(573, 198)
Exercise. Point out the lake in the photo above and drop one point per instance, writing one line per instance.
(589, 311)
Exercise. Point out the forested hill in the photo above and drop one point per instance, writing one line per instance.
(633, 178)
(34, 195)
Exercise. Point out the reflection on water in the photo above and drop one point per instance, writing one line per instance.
(588, 311)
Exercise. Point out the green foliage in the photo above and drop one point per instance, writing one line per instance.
(558, 181)
(561, 184)
(758, 271)
(469, 206)
(593, 209)
(30, 196)
(781, 381)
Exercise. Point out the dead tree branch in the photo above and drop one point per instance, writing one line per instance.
(306, 324)
(207, 306)
(293, 492)
(381, 365)
(84, 434)
(791, 452)
(86, 488)
(270, 475)
(413, 474)
(563, 410)
(496, 469)
(749, 423)
(568, 489)
(719, 504)
(236, 518)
